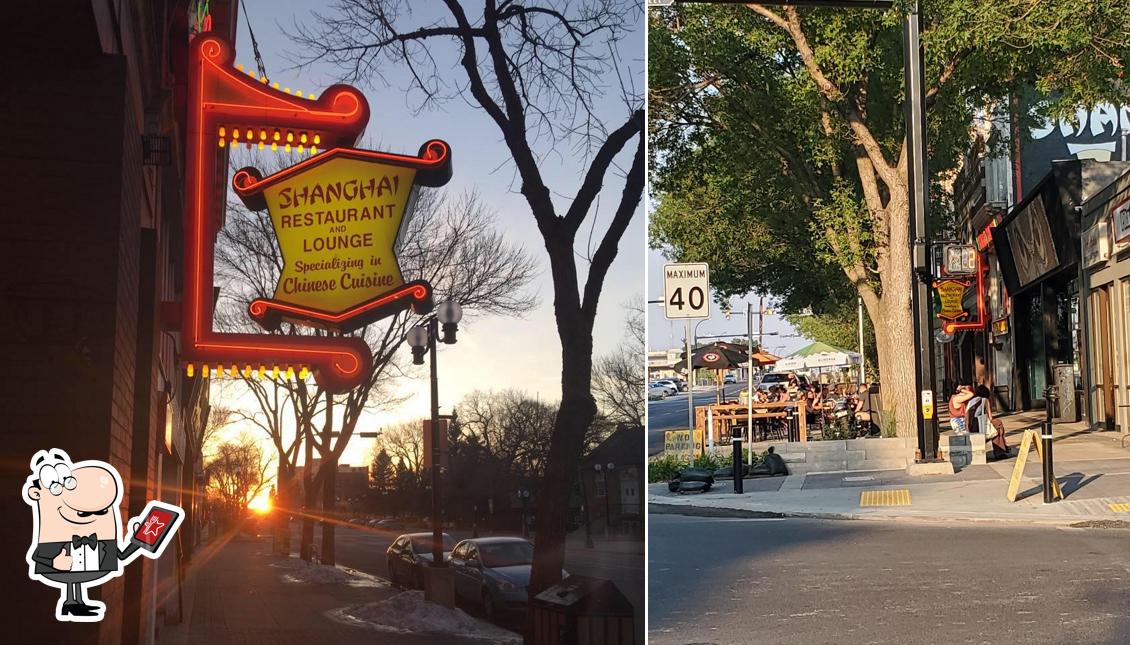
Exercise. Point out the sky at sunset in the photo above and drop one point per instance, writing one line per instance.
(492, 353)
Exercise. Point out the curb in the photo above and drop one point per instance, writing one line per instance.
(692, 510)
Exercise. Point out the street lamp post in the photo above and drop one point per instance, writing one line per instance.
(524, 495)
(607, 469)
(585, 509)
(423, 339)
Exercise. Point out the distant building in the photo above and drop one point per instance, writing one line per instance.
(663, 363)
(352, 482)
(612, 480)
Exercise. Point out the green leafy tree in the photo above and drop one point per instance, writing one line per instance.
(778, 151)
(839, 326)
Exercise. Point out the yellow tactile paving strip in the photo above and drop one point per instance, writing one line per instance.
(1123, 507)
(885, 497)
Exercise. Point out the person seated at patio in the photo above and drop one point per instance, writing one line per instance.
(979, 418)
(793, 384)
(863, 409)
(809, 396)
(957, 404)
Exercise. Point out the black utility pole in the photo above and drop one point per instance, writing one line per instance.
(918, 190)
(437, 522)
(329, 489)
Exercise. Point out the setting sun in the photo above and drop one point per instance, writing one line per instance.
(261, 504)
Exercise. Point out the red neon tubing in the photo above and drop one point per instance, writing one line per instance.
(219, 95)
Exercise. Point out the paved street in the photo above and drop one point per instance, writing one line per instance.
(733, 580)
(236, 595)
(622, 562)
(672, 413)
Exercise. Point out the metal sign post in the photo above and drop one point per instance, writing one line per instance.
(686, 295)
(749, 380)
(690, 393)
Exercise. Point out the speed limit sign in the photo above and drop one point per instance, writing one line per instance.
(686, 290)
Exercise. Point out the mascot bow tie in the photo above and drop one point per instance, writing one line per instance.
(80, 540)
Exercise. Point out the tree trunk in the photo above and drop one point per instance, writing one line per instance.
(894, 331)
(577, 411)
(284, 505)
(306, 549)
(188, 502)
(329, 512)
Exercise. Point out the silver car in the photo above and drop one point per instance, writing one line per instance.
(495, 572)
(410, 554)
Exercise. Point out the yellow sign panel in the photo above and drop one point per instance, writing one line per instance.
(951, 293)
(679, 441)
(337, 224)
(927, 404)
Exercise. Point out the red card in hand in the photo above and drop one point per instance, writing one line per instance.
(158, 523)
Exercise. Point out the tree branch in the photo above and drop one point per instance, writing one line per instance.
(606, 252)
(594, 177)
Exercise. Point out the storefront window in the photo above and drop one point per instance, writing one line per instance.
(1037, 357)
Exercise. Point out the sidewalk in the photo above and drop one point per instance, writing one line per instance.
(1092, 469)
(237, 591)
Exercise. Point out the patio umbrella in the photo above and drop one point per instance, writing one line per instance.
(718, 356)
(818, 355)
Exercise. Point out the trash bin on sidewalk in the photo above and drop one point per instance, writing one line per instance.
(1066, 410)
(580, 609)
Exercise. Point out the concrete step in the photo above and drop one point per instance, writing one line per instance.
(877, 464)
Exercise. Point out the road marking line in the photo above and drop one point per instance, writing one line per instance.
(885, 497)
(1120, 507)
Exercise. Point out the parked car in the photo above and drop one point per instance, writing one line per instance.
(668, 387)
(409, 554)
(779, 378)
(388, 524)
(495, 572)
(679, 384)
(729, 379)
(656, 392)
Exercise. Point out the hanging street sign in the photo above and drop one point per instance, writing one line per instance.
(337, 215)
(338, 218)
(686, 290)
(951, 294)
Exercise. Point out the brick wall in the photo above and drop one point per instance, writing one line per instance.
(64, 331)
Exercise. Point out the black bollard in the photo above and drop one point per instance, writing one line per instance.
(737, 441)
(1050, 396)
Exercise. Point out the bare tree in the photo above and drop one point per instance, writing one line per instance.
(403, 442)
(451, 242)
(511, 426)
(536, 69)
(618, 377)
(237, 472)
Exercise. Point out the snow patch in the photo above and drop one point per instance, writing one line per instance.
(409, 613)
(301, 572)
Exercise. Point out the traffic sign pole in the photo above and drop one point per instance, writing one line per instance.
(690, 391)
(686, 295)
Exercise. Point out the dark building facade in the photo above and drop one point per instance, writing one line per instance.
(612, 479)
(93, 103)
(1022, 206)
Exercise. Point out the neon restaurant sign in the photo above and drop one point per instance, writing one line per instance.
(338, 216)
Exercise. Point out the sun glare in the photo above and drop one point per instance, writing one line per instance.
(261, 504)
